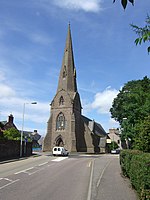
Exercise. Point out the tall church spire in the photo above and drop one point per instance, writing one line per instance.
(67, 77)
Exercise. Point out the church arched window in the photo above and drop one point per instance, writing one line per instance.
(61, 101)
(60, 122)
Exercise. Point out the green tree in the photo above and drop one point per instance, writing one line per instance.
(131, 106)
(11, 134)
(143, 33)
(113, 145)
(125, 2)
(142, 137)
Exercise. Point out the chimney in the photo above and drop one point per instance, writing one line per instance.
(10, 118)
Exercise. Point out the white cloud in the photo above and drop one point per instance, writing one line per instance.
(103, 100)
(86, 5)
(113, 123)
(12, 102)
(6, 91)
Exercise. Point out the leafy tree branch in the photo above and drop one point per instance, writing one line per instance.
(143, 33)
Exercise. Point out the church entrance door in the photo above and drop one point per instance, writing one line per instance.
(59, 142)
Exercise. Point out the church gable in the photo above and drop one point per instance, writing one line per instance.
(61, 99)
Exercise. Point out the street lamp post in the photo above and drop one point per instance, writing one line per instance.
(21, 141)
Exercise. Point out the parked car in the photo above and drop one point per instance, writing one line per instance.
(61, 151)
(115, 151)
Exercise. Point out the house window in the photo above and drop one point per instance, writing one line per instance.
(61, 101)
(60, 122)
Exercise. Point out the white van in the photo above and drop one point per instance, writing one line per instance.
(61, 151)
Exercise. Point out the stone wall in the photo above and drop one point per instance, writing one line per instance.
(11, 149)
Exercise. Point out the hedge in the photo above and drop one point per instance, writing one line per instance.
(136, 166)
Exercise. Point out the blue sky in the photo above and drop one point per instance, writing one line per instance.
(32, 41)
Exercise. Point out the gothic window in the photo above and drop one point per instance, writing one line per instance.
(61, 101)
(60, 122)
(64, 72)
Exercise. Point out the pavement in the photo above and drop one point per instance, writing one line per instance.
(108, 182)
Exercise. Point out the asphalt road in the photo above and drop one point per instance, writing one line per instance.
(46, 179)
(77, 177)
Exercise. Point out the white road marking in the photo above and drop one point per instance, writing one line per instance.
(9, 183)
(42, 164)
(34, 172)
(99, 180)
(23, 171)
(7, 179)
(59, 159)
(89, 164)
(90, 182)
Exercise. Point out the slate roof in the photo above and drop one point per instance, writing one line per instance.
(94, 127)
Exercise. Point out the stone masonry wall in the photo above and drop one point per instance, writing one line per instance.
(11, 149)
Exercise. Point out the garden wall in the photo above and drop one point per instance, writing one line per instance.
(11, 149)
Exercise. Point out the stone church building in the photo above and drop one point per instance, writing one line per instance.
(67, 126)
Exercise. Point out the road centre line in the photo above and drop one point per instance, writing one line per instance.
(9, 184)
(35, 172)
(26, 170)
(42, 164)
(23, 171)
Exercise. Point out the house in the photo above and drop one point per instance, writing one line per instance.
(114, 135)
(5, 125)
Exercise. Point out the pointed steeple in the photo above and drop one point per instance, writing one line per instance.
(67, 77)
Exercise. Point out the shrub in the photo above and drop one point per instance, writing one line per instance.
(11, 134)
(125, 160)
(136, 165)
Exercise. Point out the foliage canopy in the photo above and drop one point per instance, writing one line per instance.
(131, 108)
